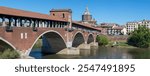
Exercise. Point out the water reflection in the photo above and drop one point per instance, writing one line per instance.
(94, 53)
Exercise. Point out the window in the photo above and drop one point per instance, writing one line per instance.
(21, 35)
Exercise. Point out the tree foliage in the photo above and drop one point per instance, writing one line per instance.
(9, 54)
(102, 40)
(140, 37)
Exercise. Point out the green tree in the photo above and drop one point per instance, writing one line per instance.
(140, 37)
(9, 54)
(102, 40)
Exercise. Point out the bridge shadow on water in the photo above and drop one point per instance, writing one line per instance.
(100, 53)
(85, 54)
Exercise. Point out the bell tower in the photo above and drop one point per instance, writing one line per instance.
(63, 13)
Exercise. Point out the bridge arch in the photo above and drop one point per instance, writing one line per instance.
(2, 39)
(90, 38)
(50, 33)
(78, 39)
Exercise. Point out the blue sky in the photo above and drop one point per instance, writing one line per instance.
(115, 11)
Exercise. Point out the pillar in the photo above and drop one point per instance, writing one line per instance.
(58, 24)
(55, 25)
(52, 24)
(11, 22)
(49, 24)
(42, 24)
(15, 22)
(31, 23)
(36, 23)
(18, 23)
(3, 21)
(39, 23)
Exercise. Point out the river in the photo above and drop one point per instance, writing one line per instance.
(99, 53)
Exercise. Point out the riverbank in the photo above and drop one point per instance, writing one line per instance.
(137, 53)
(120, 44)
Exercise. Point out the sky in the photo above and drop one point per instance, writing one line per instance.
(108, 11)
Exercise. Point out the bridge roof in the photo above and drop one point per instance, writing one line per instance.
(86, 25)
(28, 14)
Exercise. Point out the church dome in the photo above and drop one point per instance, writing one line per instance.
(87, 11)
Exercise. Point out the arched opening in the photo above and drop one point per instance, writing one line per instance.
(78, 39)
(90, 39)
(4, 45)
(50, 42)
(7, 50)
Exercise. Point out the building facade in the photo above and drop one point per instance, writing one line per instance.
(131, 26)
(112, 29)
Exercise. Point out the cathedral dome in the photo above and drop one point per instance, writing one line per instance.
(87, 11)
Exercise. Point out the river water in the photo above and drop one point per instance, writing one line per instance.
(95, 53)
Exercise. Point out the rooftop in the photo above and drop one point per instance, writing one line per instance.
(28, 14)
(61, 10)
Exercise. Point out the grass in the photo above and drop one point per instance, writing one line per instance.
(120, 44)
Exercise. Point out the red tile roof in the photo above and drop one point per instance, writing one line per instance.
(22, 13)
(118, 28)
(61, 10)
(86, 25)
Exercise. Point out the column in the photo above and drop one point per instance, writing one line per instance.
(42, 24)
(56, 24)
(15, 22)
(11, 22)
(22, 22)
(25, 23)
(18, 22)
(49, 23)
(3, 22)
(45, 23)
(39, 23)
(36, 23)
(60, 25)
(31, 23)
(52, 24)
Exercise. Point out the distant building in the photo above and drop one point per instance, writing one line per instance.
(112, 29)
(131, 26)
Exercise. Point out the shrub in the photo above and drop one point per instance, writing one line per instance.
(9, 54)
(102, 40)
